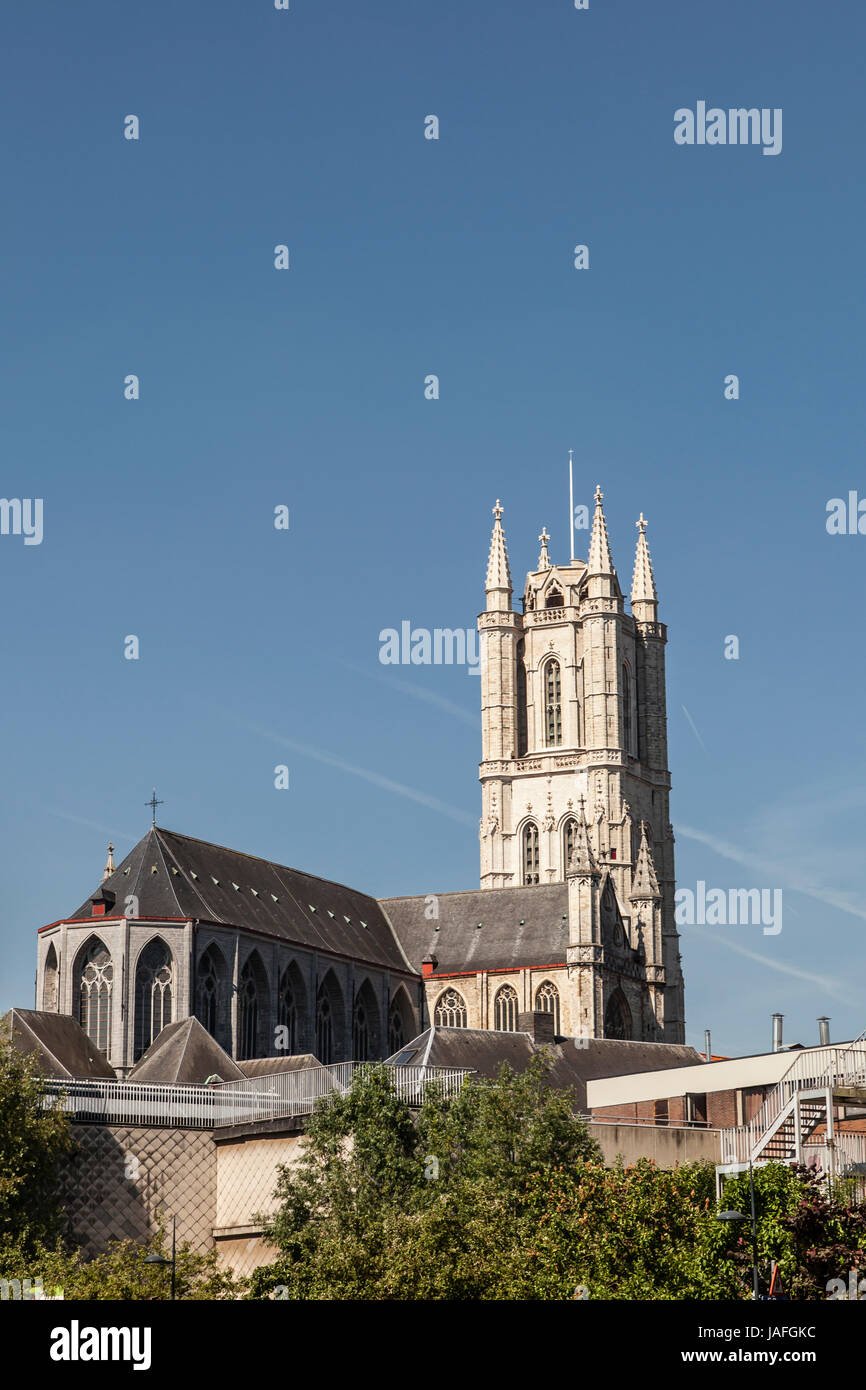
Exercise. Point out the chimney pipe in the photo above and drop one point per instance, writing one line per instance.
(824, 1032)
(777, 1032)
(708, 1051)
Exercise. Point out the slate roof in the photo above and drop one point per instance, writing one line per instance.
(184, 1052)
(59, 1043)
(520, 926)
(269, 1066)
(574, 1060)
(175, 876)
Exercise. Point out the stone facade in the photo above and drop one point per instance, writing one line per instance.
(574, 775)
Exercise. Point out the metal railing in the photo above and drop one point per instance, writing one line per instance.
(812, 1070)
(281, 1095)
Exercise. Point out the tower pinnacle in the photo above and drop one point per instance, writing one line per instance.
(498, 583)
(643, 585)
(600, 560)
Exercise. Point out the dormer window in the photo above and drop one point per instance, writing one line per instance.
(554, 599)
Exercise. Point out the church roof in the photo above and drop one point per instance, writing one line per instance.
(183, 1053)
(518, 926)
(58, 1043)
(574, 1060)
(176, 877)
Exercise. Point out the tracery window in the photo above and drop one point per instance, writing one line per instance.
(248, 1011)
(530, 852)
(287, 1012)
(547, 1001)
(49, 981)
(568, 837)
(95, 986)
(153, 995)
(505, 1010)
(450, 1010)
(553, 704)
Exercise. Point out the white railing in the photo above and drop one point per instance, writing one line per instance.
(812, 1070)
(278, 1096)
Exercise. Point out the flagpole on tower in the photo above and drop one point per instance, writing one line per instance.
(571, 499)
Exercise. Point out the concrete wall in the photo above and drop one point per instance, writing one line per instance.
(665, 1145)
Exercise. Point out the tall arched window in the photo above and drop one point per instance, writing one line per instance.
(569, 831)
(552, 704)
(212, 995)
(547, 1001)
(252, 992)
(291, 1010)
(95, 985)
(520, 686)
(49, 981)
(153, 995)
(329, 1027)
(450, 1010)
(530, 852)
(365, 1025)
(617, 1017)
(399, 1022)
(505, 1010)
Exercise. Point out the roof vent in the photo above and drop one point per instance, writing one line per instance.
(193, 874)
(153, 868)
(255, 892)
(173, 869)
(347, 919)
(363, 924)
(237, 887)
(215, 880)
(310, 906)
(330, 913)
(275, 898)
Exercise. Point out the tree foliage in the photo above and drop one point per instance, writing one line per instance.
(33, 1139)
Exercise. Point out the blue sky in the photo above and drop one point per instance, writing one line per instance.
(306, 388)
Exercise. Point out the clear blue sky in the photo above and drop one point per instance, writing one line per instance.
(305, 387)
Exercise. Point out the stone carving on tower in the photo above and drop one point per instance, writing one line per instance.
(573, 707)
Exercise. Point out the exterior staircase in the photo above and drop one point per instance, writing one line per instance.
(797, 1122)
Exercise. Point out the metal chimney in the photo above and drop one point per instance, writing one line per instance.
(824, 1032)
(777, 1032)
(708, 1051)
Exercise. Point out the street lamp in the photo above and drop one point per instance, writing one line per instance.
(161, 1259)
(739, 1216)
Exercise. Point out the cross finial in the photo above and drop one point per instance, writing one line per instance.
(498, 509)
(641, 523)
(598, 495)
(153, 803)
(544, 537)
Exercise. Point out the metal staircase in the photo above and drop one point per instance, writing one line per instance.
(797, 1121)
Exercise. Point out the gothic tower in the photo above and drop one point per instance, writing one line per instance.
(574, 775)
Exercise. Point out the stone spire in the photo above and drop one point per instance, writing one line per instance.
(600, 561)
(645, 886)
(109, 867)
(498, 582)
(582, 857)
(643, 584)
(544, 558)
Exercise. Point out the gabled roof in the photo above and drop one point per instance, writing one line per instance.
(519, 926)
(269, 1066)
(184, 1053)
(175, 876)
(574, 1060)
(60, 1045)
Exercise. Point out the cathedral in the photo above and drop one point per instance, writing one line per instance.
(572, 926)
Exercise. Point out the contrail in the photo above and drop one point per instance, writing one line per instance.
(694, 729)
(386, 783)
(831, 987)
(418, 691)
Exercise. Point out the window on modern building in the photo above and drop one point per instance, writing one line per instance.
(553, 704)
(505, 1010)
(547, 1001)
(95, 986)
(530, 852)
(450, 1011)
(154, 978)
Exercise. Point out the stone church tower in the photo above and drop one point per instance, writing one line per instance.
(574, 774)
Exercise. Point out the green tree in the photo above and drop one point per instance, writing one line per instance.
(33, 1139)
